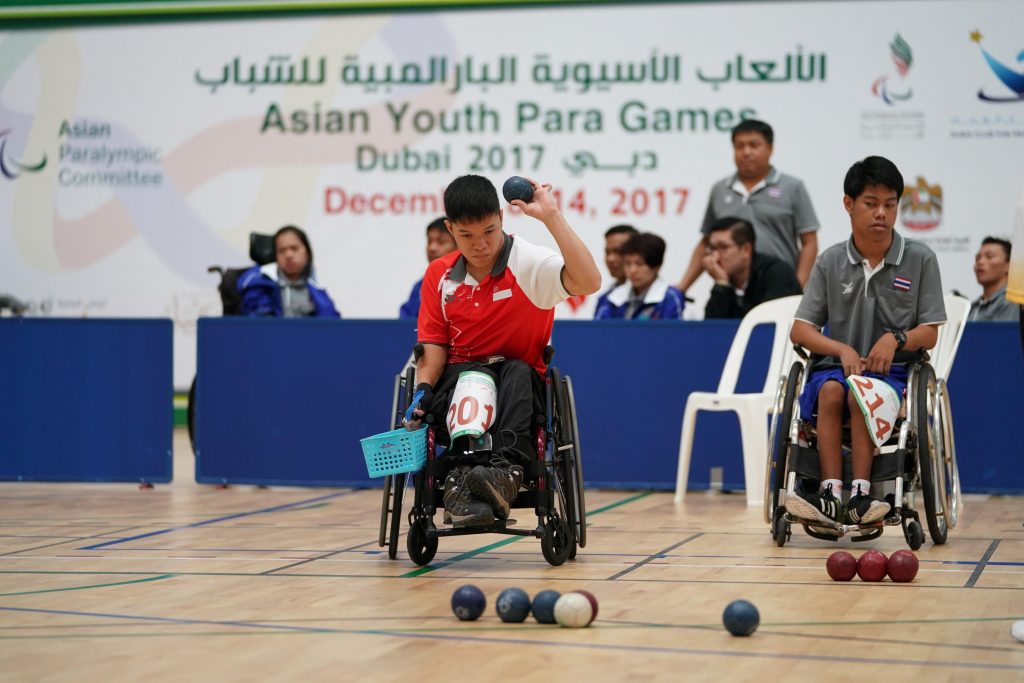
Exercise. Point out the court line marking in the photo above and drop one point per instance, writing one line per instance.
(97, 585)
(400, 633)
(74, 539)
(981, 564)
(321, 557)
(473, 553)
(225, 518)
(651, 558)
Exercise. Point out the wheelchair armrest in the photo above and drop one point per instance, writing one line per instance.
(549, 353)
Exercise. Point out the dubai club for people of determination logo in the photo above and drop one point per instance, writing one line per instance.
(892, 90)
(921, 205)
(12, 168)
(1012, 79)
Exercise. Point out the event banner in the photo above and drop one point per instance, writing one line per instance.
(135, 156)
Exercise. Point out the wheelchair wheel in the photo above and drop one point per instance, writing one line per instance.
(926, 411)
(421, 547)
(557, 541)
(567, 461)
(948, 470)
(780, 527)
(190, 415)
(778, 441)
(394, 485)
(914, 535)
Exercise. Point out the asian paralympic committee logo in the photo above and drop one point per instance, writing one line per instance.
(903, 57)
(1010, 78)
(921, 205)
(12, 168)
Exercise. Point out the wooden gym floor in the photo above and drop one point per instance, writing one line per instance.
(187, 583)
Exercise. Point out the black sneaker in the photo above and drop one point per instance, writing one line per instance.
(821, 507)
(863, 509)
(460, 508)
(497, 485)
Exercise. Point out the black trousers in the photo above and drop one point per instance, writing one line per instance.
(520, 402)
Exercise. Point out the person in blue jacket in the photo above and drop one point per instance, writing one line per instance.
(644, 295)
(439, 243)
(287, 287)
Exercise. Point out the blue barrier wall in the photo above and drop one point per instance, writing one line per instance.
(85, 400)
(286, 401)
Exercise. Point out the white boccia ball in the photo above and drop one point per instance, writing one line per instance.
(574, 610)
(1017, 631)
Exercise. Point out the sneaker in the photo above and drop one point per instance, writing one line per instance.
(863, 509)
(821, 507)
(497, 485)
(460, 508)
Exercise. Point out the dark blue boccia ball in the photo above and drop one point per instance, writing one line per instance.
(513, 605)
(741, 618)
(544, 606)
(517, 187)
(468, 603)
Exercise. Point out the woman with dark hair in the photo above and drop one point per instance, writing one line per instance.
(287, 287)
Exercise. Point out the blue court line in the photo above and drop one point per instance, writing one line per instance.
(168, 620)
(218, 519)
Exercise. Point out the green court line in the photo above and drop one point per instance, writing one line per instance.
(96, 585)
(487, 548)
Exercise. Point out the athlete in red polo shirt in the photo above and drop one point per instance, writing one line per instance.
(489, 306)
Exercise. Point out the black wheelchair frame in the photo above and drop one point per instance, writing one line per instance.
(553, 484)
(919, 457)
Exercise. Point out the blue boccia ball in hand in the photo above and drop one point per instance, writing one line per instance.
(741, 618)
(468, 603)
(517, 187)
(544, 606)
(513, 605)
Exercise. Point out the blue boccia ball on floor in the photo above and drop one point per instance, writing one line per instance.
(741, 618)
(544, 606)
(517, 187)
(513, 605)
(468, 603)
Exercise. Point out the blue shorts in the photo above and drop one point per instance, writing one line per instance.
(897, 379)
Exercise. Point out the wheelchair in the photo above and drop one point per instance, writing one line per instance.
(261, 251)
(919, 458)
(552, 487)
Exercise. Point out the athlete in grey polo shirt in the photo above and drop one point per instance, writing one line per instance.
(776, 204)
(881, 298)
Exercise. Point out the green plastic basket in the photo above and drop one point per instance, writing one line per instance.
(395, 452)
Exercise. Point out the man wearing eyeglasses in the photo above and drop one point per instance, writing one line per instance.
(743, 277)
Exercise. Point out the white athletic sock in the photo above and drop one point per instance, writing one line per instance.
(836, 484)
(863, 485)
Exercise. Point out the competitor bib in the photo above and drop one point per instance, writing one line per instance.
(880, 404)
(474, 402)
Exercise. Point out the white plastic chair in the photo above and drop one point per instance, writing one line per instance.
(942, 356)
(751, 409)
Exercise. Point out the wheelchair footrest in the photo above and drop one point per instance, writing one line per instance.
(835, 531)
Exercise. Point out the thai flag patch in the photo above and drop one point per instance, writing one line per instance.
(901, 283)
(774, 192)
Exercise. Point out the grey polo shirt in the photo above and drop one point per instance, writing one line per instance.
(903, 293)
(995, 307)
(780, 211)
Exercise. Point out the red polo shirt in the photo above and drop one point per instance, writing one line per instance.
(509, 314)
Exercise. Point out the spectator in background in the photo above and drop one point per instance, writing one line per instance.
(287, 287)
(743, 277)
(776, 204)
(614, 238)
(644, 296)
(439, 243)
(992, 270)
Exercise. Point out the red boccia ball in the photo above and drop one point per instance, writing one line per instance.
(841, 566)
(872, 566)
(902, 566)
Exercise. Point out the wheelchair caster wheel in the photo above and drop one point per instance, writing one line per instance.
(557, 542)
(421, 548)
(780, 527)
(914, 534)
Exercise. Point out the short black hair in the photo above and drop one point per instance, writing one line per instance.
(622, 229)
(872, 171)
(1005, 244)
(301, 234)
(754, 126)
(649, 246)
(437, 224)
(741, 230)
(470, 197)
